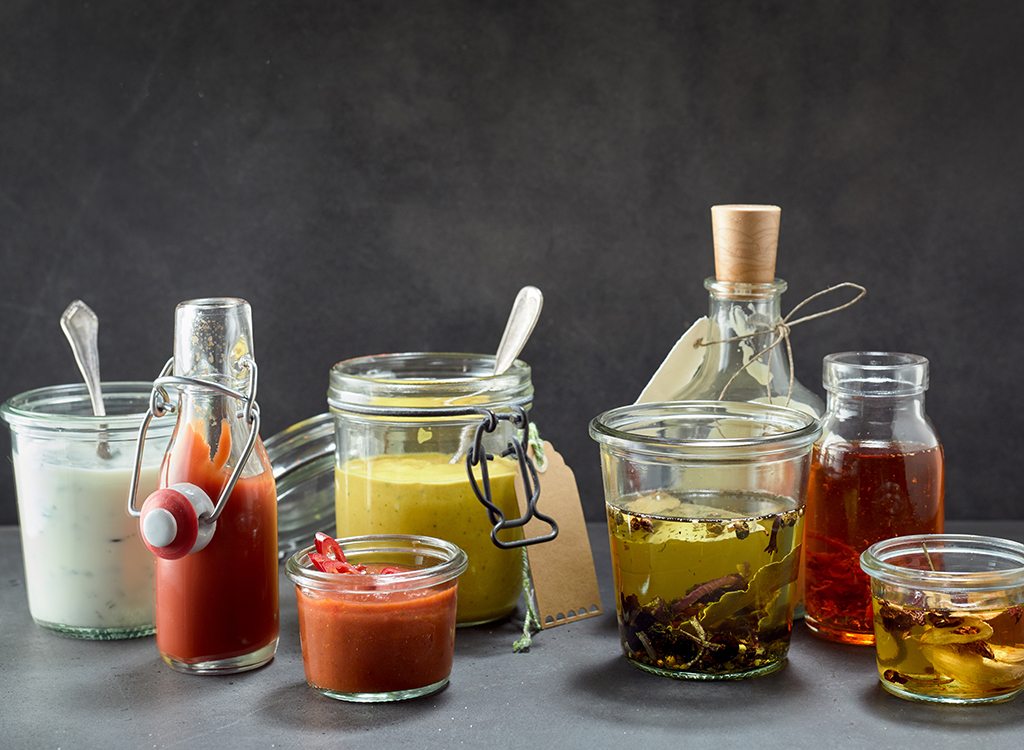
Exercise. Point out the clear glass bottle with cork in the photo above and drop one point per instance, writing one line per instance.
(733, 354)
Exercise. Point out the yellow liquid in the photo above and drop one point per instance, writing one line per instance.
(950, 656)
(422, 493)
(665, 547)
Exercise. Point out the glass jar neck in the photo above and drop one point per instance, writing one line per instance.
(738, 362)
(212, 340)
(843, 405)
(876, 399)
(875, 382)
(748, 311)
(744, 308)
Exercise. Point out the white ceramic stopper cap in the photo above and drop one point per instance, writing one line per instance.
(170, 521)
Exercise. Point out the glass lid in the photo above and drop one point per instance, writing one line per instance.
(302, 457)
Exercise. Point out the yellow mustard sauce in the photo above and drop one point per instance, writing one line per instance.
(422, 493)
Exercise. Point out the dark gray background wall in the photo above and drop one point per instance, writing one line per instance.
(383, 176)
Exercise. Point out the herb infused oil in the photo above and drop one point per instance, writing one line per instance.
(705, 504)
(858, 496)
(948, 616)
(947, 654)
(705, 580)
(878, 472)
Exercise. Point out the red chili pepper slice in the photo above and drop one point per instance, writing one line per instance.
(321, 561)
(329, 565)
(329, 558)
(326, 545)
(343, 567)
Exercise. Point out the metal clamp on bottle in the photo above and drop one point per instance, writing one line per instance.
(476, 455)
(181, 519)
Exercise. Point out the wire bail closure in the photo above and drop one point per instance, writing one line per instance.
(476, 455)
(160, 405)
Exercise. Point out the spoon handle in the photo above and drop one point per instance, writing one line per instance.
(81, 325)
(522, 319)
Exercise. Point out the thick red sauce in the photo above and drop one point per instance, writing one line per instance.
(377, 641)
(221, 602)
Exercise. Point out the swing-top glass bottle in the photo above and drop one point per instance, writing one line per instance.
(213, 522)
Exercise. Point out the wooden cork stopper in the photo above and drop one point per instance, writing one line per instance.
(746, 240)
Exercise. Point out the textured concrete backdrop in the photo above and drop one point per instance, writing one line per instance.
(383, 176)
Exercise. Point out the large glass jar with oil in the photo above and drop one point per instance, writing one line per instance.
(705, 503)
(404, 423)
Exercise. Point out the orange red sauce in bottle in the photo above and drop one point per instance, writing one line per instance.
(222, 602)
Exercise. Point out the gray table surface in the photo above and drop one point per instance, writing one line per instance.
(573, 689)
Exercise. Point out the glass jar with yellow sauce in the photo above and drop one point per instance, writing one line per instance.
(404, 423)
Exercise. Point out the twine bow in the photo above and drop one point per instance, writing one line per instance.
(781, 331)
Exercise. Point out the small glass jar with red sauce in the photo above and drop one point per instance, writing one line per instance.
(384, 635)
(876, 473)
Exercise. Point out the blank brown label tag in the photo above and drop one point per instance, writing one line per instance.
(563, 572)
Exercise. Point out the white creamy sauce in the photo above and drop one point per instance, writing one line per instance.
(85, 563)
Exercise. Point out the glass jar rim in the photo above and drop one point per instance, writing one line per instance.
(37, 408)
(214, 303)
(875, 374)
(631, 428)
(758, 290)
(454, 562)
(439, 382)
(875, 561)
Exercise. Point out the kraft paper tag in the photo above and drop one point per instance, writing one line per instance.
(563, 572)
(678, 368)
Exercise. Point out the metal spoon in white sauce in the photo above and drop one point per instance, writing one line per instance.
(81, 325)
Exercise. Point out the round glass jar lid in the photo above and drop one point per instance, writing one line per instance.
(302, 457)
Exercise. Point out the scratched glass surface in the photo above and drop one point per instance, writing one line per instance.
(705, 581)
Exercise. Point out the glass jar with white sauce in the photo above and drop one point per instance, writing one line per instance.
(87, 573)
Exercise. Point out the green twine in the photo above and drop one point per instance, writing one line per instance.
(531, 623)
(534, 441)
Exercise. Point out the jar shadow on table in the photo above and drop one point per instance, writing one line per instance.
(490, 639)
(497, 638)
(297, 706)
(615, 683)
(140, 681)
(882, 704)
(607, 622)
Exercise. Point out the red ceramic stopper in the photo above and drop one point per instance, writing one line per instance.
(172, 532)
